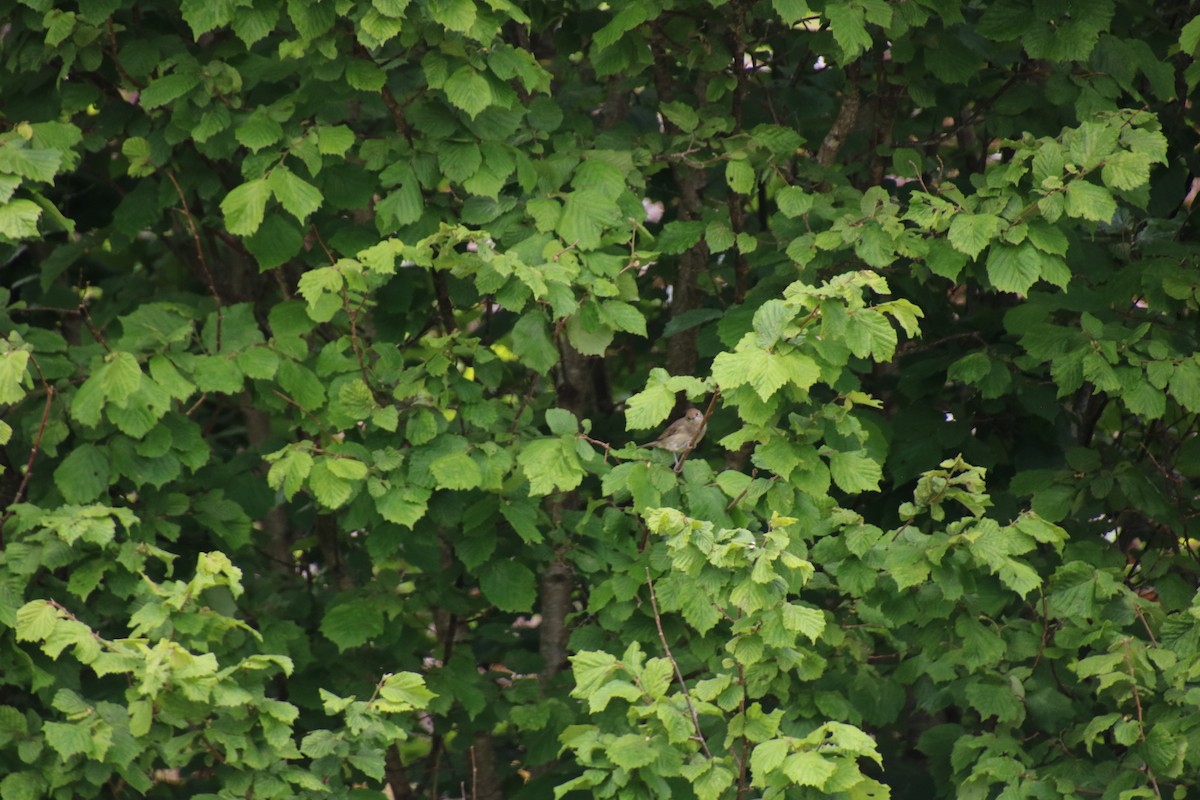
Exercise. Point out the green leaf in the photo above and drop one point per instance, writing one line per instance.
(405, 691)
(970, 233)
(1089, 201)
(623, 316)
(1185, 385)
(330, 489)
(299, 198)
(167, 89)
(586, 214)
(740, 176)
(403, 505)
(404, 205)
(849, 29)
(203, 16)
(13, 366)
(68, 739)
(532, 343)
(793, 201)
(625, 20)
(25, 785)
(791, 11)
(38, 165)
(468, 90)
(19, 220)
(809, 769)
(120, 377)
(681, 115)
(550, 464)
(806, 621)
(276, 242)
(352, 623)
(767, 758)
(631, 752)
(1125, 171)
(855, 471)
(1189, 37)
(719, 236)
(456, 15)
(1014, 269)
(243, 208)
(36, 621)
(509, 585)
(456, 471)
(257, 131)
(366, 76)
(334, 140)
(83, 475)
(649, 407)
(679, 236)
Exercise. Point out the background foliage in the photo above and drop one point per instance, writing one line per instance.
(328, 326)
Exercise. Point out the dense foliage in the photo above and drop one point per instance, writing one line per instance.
(329, 328)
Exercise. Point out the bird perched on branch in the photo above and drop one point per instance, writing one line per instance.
(682, 434)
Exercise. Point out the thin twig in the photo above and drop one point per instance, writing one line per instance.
(287, 399)
(662, 637)
(91, 323)
(566, 250)
(37, 446)
(512, 432)
(212, 286)
(1137, 703)
(353, 315)
(1145, 624)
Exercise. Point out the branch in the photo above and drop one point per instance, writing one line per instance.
(212, 286)
(662, 637)
(37, 446)
(843, 124)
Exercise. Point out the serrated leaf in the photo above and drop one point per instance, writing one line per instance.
(167, 89)
(259, 130)
(550, 464)
(809, 769)
(1089, 201)
(19, 220)
(243, 208)
(509, 585)
(631, 751)
(849, 29)
(855, 471)
(970, 233)
(1014, 269)
(403, 505)
(297, 196)
(532, 343)
(740, 176)
(767, 758)
(468, 90)
(793, 201)
(456, 471)
(586, 214)
(83, 475)
(352, 624)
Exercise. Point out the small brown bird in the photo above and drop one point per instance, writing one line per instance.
(686, 431)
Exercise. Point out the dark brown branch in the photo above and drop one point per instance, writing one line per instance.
(33, 453)
(212, 286)
(843, 124)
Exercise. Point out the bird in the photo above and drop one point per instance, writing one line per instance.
(682, 434)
